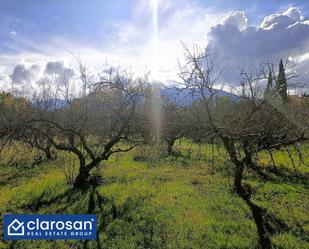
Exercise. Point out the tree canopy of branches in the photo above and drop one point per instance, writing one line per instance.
(173, 121)
(246, 126)
(92, 127)
(13, 115)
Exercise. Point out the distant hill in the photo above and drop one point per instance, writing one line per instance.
(178, 95)
(51, 104)
(186, 97)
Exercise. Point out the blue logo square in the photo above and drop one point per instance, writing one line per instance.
(49, 226)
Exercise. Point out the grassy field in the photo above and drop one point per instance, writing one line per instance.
(175, 202)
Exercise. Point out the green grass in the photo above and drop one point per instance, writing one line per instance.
(172, 203)
(189, 208)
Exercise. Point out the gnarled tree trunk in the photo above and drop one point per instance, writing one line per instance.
(83, 179)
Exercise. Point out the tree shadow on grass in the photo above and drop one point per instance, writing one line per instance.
(40, 202)
(107, 210)
(280, 174)
(268, 224)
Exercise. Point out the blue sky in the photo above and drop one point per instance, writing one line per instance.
(93, 21)
(120, 32)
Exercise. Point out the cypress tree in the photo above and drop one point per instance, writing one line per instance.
(281, 85)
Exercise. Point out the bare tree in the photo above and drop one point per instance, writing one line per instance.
(173, 123)
(13, 115)
(93, 127)
(39, 142)
(245, 126)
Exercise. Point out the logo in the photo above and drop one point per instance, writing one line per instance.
(49, 227)
(16, 228)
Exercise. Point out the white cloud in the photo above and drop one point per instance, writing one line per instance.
(13, 33)
(5, 82)
(54, 67)
(58, 68)
(23, 74)
(237, 19)
(280, 35)
(178, 21)
(130, 44)
(284, 19)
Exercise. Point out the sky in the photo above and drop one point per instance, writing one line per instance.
(40, 39)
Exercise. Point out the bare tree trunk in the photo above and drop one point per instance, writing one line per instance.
(238, 175)
(170, 144)
(292, 160)
(82, 180)
(239, 165)
(48, 154)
